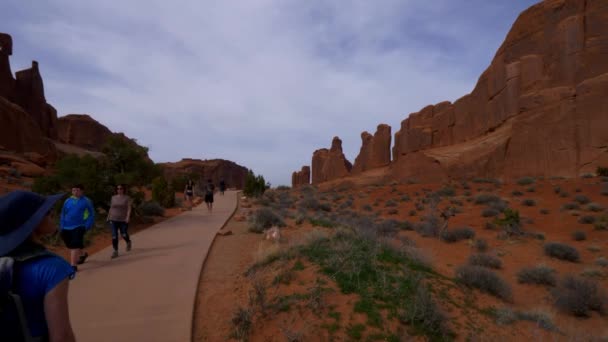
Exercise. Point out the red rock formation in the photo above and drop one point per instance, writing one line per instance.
(7, 83)
(537, 110)
(215, 169)
(302, 177)
(83, 131)
(375, 150)
(29, 94)
(330, 164)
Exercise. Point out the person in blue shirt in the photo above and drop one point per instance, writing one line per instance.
(29, 272)
(77, 216)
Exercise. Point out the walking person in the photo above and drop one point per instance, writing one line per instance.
(77, 216)
(189, 193)
(209, 189)
(222, 187)
(33, 281)
(118, 217)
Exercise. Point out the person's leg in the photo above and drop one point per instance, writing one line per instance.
(125, 234)
(114, 226)
(74, 256)
(79, 234)
(68, 240)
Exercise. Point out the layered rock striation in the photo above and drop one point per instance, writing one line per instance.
(375, 150)
(302, 177)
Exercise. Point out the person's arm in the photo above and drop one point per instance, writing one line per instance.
(63, 213)
(57, 314)
(91, 219)
(130, 201)
(108, 217)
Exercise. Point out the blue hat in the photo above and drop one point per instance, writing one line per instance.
(20, 214)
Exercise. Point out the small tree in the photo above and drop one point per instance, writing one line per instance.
(602, 171)
(162, 192)
(255, 186)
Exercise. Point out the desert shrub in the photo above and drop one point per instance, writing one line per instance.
(412, 212)
(601, 261)
(570, 206)
(526, 181)
(405, 198)
(392, 212)
(602, 171)
(480, 245)
(581, 199)
(485, 260)
(265, 218)
(423, 311)
(447, 191)
(388, 228)
(255, 186)
(531, 189)
(540, 275)
(485, 280)
(151, 209)
(529, 202)
(557, 189)
(544, 211)
(506, 316)
(510, 223)
(486, 198)
(587, 219)
(490, 212)
(457, 234)
(390, 203)
(517, 193)
(595, 207)
(578, 296)
(242, 321)
(579, 235)
(367, 207)
(162, 192)
(561, 251)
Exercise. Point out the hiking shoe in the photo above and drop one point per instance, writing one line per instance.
(83, 258)
(75, 269)
(115, 254)
(128, 246)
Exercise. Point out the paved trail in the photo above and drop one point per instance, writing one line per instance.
(147, 294)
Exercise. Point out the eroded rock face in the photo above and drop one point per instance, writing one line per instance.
(302, 177)
(375, 150)
(7, 82)
(83, 131)
(542, 92)
(330, 164)
(215, 169)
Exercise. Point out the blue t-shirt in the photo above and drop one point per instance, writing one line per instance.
(33, 279)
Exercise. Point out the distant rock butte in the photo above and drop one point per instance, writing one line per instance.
(83, 131)
(302, 177)
(375, 150)
(539, 109)
(330, 164)
(215, 169)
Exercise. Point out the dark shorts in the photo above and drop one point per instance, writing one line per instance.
(73, 238)
(209, 198)
(189, 193)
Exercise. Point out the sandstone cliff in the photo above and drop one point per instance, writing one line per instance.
(215, 169)
(302, 177)
(83, 131)
(375, 150)
(330, 164)
(539, 109)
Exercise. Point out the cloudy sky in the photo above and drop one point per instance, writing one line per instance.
(263, 83)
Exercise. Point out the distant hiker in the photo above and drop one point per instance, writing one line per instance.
(33, 281)
(209, 189)
(77, 216)
(222, 187)
(189, 193)
(118, 216)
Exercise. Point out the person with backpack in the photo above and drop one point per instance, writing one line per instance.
(34, 282)
(189, 193)
(77, 216)
(118, 217)
(209, 189)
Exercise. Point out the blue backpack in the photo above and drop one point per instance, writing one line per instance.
(9, 299)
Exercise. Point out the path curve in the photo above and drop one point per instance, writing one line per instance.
(148, 294)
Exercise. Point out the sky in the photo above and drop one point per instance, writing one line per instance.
(263, 83)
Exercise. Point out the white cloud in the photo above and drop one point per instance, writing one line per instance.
(263, 83)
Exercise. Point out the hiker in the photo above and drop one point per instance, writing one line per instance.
(33, 281)
(118, 217)
(222, 187)
(209, 189)
(77, 216)
(189, 193)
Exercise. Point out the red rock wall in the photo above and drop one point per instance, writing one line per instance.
(375, 150)
(330, 164)
(216, 169)
(302, 177)
(7, 83)
(83, 131)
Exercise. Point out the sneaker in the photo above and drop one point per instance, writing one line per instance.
(114, 254)
(128, 246)
(83, 258)
(75, 269)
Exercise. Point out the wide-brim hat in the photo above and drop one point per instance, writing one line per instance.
(20, 214)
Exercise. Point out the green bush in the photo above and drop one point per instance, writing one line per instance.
(151, 209)
(561, 251)
(578, 296)
(455, 235)
(485, 280)
(602, 171)
(255, 186)
(541, 275)
(526, 181)
(265, 218)
(162, 192)
(485, 260)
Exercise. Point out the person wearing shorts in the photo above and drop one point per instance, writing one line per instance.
(209, 189)
(77, 216)
(118, 217)
(222, 187)
(189, 193)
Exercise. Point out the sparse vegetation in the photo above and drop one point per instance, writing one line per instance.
(480, 245)
(578, 296)
(602, 171)
(490, 212)
(540, 275)
(526, 181)
(485, 280)
(579, 235)
(529, 202)
(581, 199)
(570, 206)
(561, 251)
(457, 234)
(263, 219)
(485, 260)
(506, 316)
(586, 219)
(510, 223)
(595, 207)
